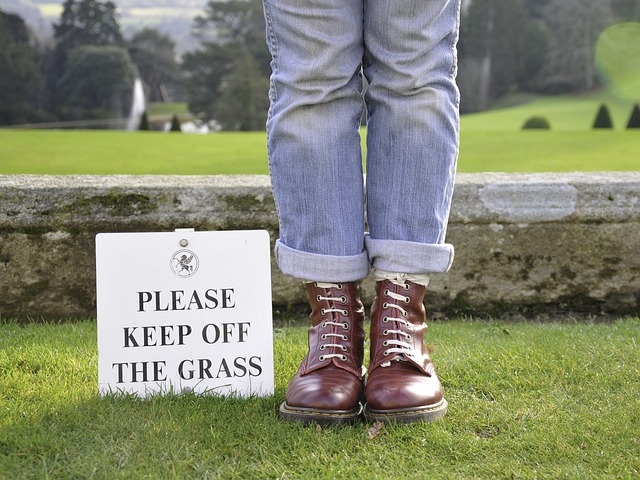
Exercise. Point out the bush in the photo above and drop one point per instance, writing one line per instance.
(540, 123)
(144, 122)
(175, 124)
(634, 119)
(603, 118)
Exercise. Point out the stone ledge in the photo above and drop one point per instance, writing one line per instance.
(524, 242)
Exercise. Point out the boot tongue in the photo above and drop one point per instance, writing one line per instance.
(398, 357)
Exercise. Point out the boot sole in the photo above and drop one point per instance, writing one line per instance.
(320, 417)
(429, 413)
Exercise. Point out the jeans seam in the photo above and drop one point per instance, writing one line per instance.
(272, 40)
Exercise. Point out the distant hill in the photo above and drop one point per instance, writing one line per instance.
(171, 17)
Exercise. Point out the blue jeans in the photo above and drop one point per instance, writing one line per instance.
(320, 49)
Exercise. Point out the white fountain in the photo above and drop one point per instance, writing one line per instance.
(137, 106)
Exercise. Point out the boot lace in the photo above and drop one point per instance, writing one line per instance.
(332, 302)
(399, 346)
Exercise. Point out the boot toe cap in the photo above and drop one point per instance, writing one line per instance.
(400, 387)
(325, 390)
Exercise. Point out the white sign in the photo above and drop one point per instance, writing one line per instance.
(184, 311)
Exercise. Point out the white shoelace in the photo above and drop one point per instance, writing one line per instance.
(399, 347)
(324, 346)
(344, 325)
(341, 299)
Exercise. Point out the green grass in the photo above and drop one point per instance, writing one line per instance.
(493, 141)
(167, 109)
(527, 400)
(102, 152)
(549, 151)
(566, 113)
(490, 141)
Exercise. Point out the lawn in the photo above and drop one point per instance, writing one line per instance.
(527, 400)
(490, 141)
(104, 152)
(565, 113)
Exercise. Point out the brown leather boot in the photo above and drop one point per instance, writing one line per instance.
(402, 385)
(328, 386)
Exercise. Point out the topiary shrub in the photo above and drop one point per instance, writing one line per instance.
(634, 119)
(540, 123)
(175, 124)
(603, 118)
(144, 121)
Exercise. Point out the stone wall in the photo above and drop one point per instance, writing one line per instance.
(525, 243)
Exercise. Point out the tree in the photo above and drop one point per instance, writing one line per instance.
(229, 32)
(98, 81)
(19, 77)
(634, 118)
(243, 104)
(144, 122)
(536, 123)
(15, 26)
(535, 8)
(175, 124)
(574, 27)
(235, 22)
(204, 71)
(82, 23)
(499, 46)
(87, 22)
(603, 118)
(626, 10)
(154, 55)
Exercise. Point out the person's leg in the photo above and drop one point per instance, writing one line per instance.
(316, 171)
(412, 132)
(412, 141)
(313, 137)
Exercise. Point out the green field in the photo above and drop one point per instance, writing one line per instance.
(566, 113)
(104, 152)
(490, 141)
(526, 400)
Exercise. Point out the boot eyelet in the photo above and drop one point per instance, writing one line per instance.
(385, 353)
(405, 314)
(345, 338)
(339, 286)
(385, 305)
(343, 358)
(319, 298)
(408, 337)
(323, 347)
(323, 337)
(345, 325)
(323, 311)
(386, 292)
(343, 299)
(385, 320)
(344, 348)
(324, 324)
(406, 286)
(345, 313)
(385, 344)
(407, 300)
(386, 332)
(321, 358)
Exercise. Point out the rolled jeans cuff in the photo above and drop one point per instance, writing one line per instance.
(321, 268)
(409, 257)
